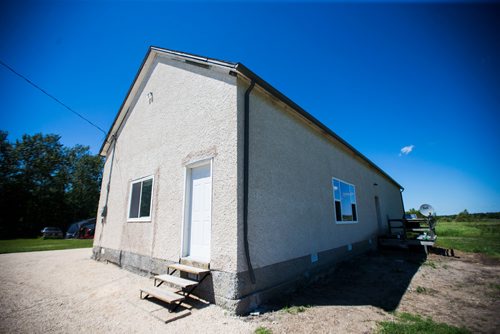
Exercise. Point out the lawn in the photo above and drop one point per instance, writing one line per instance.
(406, 323)
(476, 237)
(39, 244)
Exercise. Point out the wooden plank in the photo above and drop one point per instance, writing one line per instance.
(173, 289)
(181, 282)
(420, 229)
(188, 269)
(420, 242)
(161, 294)
(417, 220)
(193, 263)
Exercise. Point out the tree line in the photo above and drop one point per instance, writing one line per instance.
(463, 216)
(44, 183)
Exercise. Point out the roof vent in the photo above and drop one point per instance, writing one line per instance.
(190, 62)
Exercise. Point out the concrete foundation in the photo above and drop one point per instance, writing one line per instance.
(234, 291)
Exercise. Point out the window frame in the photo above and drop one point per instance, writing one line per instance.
(344, 222)
(131, 185)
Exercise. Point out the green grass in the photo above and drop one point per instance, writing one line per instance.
(431, 264)
(475, 237)
(31, 245)
(424, 290)
(294, 309)
(421, 289)
(407, 323)
(263, 330)
(495, 286)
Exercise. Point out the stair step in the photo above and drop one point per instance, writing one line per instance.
(419, 229)
(181, 282)
(162, 294)
(188, 269)
(173, 289)
(194, 263)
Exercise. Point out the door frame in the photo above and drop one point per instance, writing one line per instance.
(186, 203)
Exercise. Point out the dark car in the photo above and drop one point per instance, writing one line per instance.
(52, 232)
(87, 231)
(81, 229)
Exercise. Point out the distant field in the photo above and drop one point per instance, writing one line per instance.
(476, 237)
(32, 245)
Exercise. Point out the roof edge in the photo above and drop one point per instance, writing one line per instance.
(245, 71)
(109, 134)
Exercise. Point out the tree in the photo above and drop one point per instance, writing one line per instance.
(463, 216)
(7, 170)
(40, 180)
(43, 183)
(414, 211)
(6, 159)
(84, 182)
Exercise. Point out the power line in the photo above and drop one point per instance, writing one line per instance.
(52, 97)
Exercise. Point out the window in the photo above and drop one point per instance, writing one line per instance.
(344, 196)
(141, 193)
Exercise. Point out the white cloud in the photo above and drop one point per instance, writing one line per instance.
(406, 150)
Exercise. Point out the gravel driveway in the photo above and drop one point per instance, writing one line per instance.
(67, 292)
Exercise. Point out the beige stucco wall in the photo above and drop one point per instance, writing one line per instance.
(193, 116)
(291, 208)
(198, 113)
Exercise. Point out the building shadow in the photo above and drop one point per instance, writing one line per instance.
(188, 304)
(379, 279)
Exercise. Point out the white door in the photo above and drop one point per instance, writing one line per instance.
(199, 219)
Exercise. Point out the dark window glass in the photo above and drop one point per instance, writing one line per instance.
(338, 213)
(344, 195)
(134, 201)
(147, 187)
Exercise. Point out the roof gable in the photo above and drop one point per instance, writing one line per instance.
(141, 74)
(232, 69)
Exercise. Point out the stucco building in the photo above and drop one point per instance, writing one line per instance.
(208, 163)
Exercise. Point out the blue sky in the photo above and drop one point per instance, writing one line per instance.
(382, 75)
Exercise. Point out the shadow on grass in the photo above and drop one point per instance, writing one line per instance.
(443, 251)
(379, 279)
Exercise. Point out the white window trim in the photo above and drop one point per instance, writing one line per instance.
(131, 183)
(344, 222)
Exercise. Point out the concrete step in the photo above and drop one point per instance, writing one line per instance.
(188, 269)
(177, 281)
(161, 294)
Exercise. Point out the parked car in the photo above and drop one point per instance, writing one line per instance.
(52, 232)
(87, 231)
(82, 229)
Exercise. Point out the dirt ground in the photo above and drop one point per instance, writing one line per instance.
(66, 291)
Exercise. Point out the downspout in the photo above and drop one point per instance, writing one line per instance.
(104, 212)
(245, 180)
(402, 203)
(105, 208)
